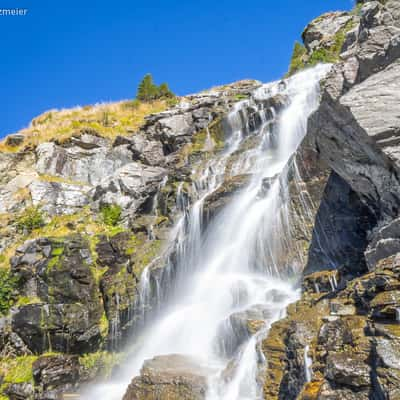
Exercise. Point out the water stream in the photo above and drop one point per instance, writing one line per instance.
(236, 269)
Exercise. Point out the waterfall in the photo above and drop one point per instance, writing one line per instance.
(237, 268)
(307, 364)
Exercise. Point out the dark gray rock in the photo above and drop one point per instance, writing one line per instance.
(56, 372)
(20, 391)
(216, 201)
(340, 233)
(334, 335)
(15, 140)
(65, 309)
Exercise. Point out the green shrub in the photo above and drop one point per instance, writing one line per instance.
(164, 91)
(330, 54)
(111, 214)
(172, 101)
(8, 285)
(241, 96)
(32, 218)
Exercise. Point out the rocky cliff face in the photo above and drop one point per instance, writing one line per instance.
(82, 216)
(87, 207)
(337, 340)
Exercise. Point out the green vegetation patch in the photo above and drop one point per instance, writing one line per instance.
(8, 286)
(217, 136)
(100, 364)
(298, 60)
(24, 301)
(111, 214)
(326, 53)
(2, 395)
(31, 218)
(18, 369)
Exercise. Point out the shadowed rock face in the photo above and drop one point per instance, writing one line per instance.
(172, 377)
(340, 230)
(65, 309)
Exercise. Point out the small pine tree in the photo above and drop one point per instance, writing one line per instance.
(147, 90)
(165, 91)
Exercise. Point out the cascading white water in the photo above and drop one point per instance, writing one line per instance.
(233, 268)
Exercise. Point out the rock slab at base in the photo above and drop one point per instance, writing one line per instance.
(171, 377)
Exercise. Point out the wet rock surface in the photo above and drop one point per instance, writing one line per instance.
(168, 378)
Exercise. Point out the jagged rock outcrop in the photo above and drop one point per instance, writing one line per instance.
(55, 372)
(344, 330)
(175, 127)
(130, 186)
(87, 160)
(58, 197)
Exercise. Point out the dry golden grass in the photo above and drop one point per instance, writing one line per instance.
(107, 119)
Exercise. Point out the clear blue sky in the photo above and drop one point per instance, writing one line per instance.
(66, 53)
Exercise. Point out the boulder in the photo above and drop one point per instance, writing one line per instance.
(388, 352)
(348, 369)
(15, 194)
(20, 391)
(334, 335)
(386, 305)
(59, 198)
(147, 151)
(130, 186)
(322, 30)
(170, 377)
(56, 372)
(384, 243)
